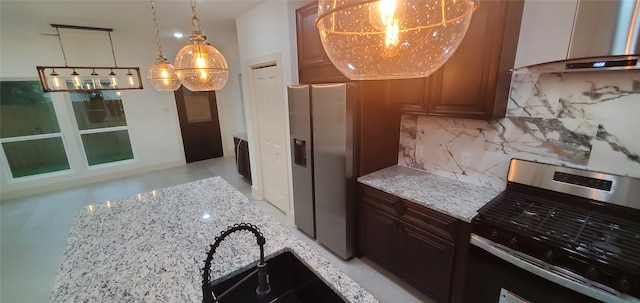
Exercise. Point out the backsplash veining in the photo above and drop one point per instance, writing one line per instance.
(587, 120)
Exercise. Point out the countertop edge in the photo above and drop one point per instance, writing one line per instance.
(430, 206)
(412, 185)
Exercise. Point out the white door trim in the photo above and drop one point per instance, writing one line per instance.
(253, 134)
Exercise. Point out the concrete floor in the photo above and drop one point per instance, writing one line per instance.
(34, 230)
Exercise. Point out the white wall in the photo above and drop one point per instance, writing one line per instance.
(229, 98)
(151, 116)
(266, 31)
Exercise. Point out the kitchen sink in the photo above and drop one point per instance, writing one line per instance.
(290, 279)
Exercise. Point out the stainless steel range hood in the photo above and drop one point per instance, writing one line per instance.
(622, 62)
(605, 36)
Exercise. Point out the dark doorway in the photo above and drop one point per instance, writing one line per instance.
(198, 114)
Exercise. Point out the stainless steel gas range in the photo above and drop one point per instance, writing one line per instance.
(557, 234)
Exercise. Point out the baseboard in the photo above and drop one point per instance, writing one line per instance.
(39, 189)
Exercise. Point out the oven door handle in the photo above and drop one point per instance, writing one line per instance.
(552, 273)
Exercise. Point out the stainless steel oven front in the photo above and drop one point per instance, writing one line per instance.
(557, 234)
(499, 274)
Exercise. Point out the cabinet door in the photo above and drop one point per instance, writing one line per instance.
(313, 64)
(426, 261)
(376, 235)
(475, 81)
(410, 94)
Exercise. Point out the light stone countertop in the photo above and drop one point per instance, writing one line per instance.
(448, 196)
(151, 247)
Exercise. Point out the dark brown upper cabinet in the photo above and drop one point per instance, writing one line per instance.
(313, 64)
(474, 83)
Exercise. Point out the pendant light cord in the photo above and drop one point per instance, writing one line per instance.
(153, 10)
(112, 52)
(62, 47)
(108, 30)
(195, 21)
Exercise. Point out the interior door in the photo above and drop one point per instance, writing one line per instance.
(270, 111)
(199, 124)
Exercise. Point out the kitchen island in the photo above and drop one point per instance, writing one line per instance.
(151, 247)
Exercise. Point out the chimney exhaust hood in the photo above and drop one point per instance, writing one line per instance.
(605, 36)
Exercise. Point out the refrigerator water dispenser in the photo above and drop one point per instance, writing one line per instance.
(300, 152)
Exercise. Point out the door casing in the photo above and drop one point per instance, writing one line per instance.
(253, 128)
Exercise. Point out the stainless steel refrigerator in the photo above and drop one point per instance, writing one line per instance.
(322, 125)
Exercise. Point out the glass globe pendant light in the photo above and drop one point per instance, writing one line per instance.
(200, 66)
(392, 39)
(162, 74)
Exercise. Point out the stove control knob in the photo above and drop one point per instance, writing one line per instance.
(550, 256)
(494, 234)
(513, 242)
(625, 285)
(593, 272)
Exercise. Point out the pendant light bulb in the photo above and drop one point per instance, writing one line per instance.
(75, 78)
(95, 80)
(199, 65)
(162, 74)
(392, 39)
(130, 78)
(113, 79)
(55, 78)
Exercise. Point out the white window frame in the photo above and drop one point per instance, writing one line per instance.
(80, 132)
(60, 134)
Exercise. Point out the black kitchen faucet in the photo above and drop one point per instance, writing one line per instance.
(263, 277)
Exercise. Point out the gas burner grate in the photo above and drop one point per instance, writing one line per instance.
(592, 234)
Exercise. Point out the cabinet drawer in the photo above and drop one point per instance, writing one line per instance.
(380, 200)
(430, 220)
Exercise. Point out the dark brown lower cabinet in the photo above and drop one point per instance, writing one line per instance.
(378, 235)
(426, 261)
(423, 247)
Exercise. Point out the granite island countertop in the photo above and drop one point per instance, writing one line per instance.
(151, 247)
(452, 197)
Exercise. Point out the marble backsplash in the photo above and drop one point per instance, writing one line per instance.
(587, 120)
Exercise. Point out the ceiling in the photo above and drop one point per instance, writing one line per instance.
(128, 17)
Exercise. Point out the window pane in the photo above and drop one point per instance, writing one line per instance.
(98, 109)
(197, 105)
(107, 147)
(26, 110)
(34, 157)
